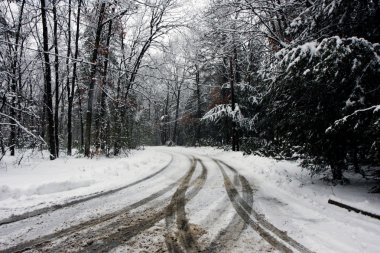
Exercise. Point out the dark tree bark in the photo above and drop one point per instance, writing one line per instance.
(48, 104)
(56, 71)
(176, 114)
(199, 113)
(165, 134)
(68, 78)
(101, 124)
(2, 144)
(237, 75)
(167, 121)
(71, 92)
(80, 114)
(117, 115)
(91, 87)
(235, 145)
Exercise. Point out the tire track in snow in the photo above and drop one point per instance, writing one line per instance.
(115, 233)
(186, 238)
(141, 224)
(41, 241)
(245, 211)
(176, 210)
(37, 212)
(237, 225)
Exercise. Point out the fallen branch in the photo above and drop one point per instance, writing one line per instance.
(350, 208)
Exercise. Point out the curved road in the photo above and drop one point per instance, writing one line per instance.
(194, 204)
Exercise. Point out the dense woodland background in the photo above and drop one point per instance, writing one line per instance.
(281, 78)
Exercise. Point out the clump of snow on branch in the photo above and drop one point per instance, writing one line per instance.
(342, 121)
(297, 54)
(139, 115)
(224, 111)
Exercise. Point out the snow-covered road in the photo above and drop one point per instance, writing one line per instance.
(196, 201)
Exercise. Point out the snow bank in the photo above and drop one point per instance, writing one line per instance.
(6, 192)
(38, 182)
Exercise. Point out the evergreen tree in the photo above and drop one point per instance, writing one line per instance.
(324, 99)
(326, 18)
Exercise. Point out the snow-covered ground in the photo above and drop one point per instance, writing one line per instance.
(297, 203)
(283, 192)
(36, 182)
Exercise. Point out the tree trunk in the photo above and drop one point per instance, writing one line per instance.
(176, 116)
(48, 104)
(56, 70)
(71, 92)
(91, 87)
(12, 138)
(2, 145)
(237, 75)
(116, 147)
(235, 146)
(80, 112)
(117, 118)
(102, 110)
(68, 82)
(337, 171)
(199, 114)
(167, 120)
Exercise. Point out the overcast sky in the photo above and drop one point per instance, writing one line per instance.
(194, 5)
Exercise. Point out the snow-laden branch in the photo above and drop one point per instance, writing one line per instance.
(341, 121)
(23, 128)
(222, 111)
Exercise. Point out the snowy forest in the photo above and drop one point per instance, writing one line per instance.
(287, 79)
(190, 126)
